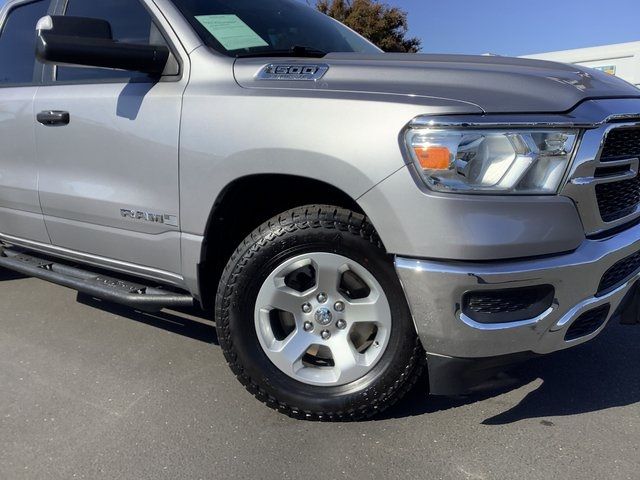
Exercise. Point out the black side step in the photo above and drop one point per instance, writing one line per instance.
(127, 293)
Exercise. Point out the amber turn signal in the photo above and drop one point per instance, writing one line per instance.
(433, 158)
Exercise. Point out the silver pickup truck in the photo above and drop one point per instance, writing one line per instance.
(351, 218)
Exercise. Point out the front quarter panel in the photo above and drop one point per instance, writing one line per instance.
(349, 140)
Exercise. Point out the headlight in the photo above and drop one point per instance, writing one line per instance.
(489, 161)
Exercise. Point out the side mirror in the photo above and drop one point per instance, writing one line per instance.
(89, 42)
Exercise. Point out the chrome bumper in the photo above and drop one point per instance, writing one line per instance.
(434, 290)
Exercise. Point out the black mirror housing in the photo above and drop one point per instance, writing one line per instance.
(89, 42)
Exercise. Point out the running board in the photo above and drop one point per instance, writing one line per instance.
(111, 289)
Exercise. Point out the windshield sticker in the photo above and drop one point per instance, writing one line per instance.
(231, 32)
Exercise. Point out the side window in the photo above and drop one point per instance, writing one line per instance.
(18, 43)
(130, 22)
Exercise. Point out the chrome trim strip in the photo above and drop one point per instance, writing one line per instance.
(594, 302)
(633, 165)
(622, 117)
(504, 326)
(485, 123)
(97, 261)
(589, 114)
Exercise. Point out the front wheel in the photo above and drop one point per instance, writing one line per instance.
(312, 318)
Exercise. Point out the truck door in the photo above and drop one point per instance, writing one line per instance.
(109, 155)
(20, 213)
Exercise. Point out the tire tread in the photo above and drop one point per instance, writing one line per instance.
(305, 218)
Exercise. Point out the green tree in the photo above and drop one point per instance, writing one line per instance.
(380, 23)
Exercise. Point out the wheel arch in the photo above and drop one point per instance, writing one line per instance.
(241, 207)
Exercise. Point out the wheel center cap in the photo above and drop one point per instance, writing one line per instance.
(324, 316)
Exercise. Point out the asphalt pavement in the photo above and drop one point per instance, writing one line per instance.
(91, 390)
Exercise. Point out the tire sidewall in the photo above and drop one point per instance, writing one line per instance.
(249, 271)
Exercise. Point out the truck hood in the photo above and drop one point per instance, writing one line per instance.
(494, 84)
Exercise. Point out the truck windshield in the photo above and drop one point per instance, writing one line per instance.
(250, 28)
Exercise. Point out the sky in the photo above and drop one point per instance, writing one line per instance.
(519, 27)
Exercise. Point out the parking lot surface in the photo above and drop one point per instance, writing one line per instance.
(91, 390)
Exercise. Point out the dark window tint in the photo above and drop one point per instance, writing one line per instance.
(130, 23)
(18, 43)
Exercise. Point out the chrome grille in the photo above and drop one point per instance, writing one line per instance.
(621, 143)
(603, 181)
(617, 200)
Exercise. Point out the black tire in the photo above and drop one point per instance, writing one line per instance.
(314, 228)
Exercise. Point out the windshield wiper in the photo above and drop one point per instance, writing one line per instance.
(295, 51)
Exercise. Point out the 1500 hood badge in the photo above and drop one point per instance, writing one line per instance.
(295, 72)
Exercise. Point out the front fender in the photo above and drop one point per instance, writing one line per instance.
(350, 142)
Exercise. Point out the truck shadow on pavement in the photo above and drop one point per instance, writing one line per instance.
(599, 375)
(8, 275)
(192, 323)
(189, 322)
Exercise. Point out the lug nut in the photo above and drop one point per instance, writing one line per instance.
(306, 308)
(322, 297)
(325, 334)
(341, 324)
(308, 326)
(339, 307)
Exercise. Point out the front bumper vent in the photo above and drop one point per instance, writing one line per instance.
(508, 305)
(588, 323)
(619, 273)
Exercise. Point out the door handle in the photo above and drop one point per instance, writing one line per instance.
(53, 118)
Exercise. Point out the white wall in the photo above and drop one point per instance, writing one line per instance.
(624, 57)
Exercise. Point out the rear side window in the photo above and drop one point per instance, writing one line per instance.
(18, 43)
(130, 23)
